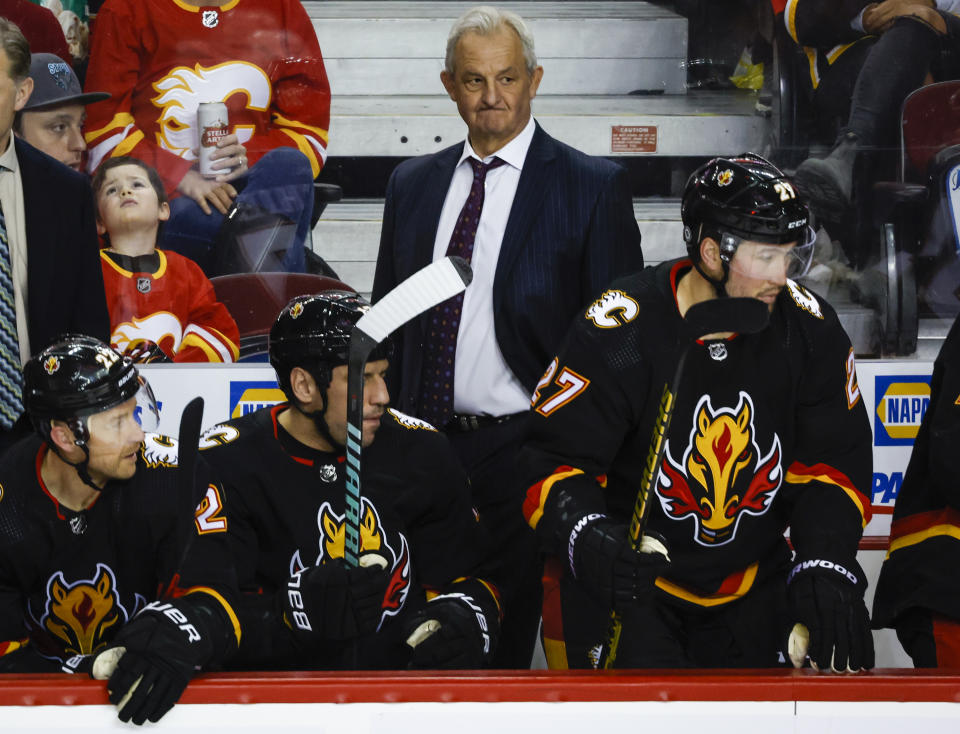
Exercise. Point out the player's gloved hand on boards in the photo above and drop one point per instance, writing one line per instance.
(603, 562)
(152, 659)
(335, 602)
(454, 632)
(826, 598)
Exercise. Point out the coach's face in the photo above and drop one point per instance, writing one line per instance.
(492, 87)
(13, 96)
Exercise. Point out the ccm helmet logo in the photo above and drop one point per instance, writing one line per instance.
(797, 224)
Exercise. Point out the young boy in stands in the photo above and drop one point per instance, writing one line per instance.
(162, 306)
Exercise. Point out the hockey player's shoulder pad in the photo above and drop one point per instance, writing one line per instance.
(408, 421)
(159, 450)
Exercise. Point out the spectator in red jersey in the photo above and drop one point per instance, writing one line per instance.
(261, 58)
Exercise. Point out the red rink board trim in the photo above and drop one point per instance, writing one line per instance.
(496, 687)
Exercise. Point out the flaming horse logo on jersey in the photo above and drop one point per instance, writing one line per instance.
(372, 540)
(83, 615)
(722, 475)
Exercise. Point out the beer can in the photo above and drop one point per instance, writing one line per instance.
(213, 124)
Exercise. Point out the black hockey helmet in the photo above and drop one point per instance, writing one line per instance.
(313, 332)
(76, 377)
(745, 198)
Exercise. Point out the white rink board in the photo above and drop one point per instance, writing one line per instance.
(677, 717)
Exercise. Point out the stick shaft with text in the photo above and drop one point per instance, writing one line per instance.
(423, 290)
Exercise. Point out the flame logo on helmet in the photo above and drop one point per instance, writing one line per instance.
(722, 475)
(296, 309)
(725, 177)
(82, 616)
(51, 364)
(372, 540)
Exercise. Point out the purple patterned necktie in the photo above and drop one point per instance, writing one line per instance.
(440, 344)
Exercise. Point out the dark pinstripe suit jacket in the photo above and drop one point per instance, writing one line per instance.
(64, 276)
(570, 232)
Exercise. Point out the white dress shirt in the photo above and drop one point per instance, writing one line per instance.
(483, 382)
(11, 199)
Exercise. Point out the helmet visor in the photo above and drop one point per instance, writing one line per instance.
(768, 261)
(146, 413)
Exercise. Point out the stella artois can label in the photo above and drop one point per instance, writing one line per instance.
(214, 125)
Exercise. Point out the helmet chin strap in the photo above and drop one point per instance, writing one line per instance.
(720, 286)
(79, 467)
(317, 416)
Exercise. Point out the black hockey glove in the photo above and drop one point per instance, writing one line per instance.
(334, 602)
(159, 650)
(826, 603)
(454, 632)
(603, 562)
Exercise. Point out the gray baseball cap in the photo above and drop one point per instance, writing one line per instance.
(54, 84)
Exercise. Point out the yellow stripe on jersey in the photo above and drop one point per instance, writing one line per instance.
(223, 602)
(120, 120)
(790, 19)
(945, 530)
(319, 131)
(824, 477)
(304, 148)
(749, 576)
(192, 340)
(556, 653)
(127, 144)
(545, 488)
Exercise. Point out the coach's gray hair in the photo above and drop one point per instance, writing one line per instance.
(484, 20)
(16, 48)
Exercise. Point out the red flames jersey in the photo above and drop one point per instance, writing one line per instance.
(174, 306)
(289, 506)
(768, 432)
(921, 565)
(69, 580)
(161, 58)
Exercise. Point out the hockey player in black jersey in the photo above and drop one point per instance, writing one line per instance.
(768, 432)
(918, 592)
(104, 566)
(413, 601)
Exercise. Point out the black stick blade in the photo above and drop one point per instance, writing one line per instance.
(742, 315)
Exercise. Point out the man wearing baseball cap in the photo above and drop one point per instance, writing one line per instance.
(52, 119)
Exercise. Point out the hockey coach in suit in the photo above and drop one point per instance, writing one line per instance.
(545, 228)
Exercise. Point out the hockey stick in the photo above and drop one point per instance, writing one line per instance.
(424, 289)
(741, 315)
(188, 450)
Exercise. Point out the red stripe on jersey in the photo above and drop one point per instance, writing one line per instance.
(800, 473)
(923, 521)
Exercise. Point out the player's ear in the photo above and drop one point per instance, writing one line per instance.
(62, 437)
(164, 214)
(710, 255)
(302, 385)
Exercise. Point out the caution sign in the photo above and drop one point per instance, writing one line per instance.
(633, 139)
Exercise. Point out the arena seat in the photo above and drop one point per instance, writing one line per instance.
(255, 299)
